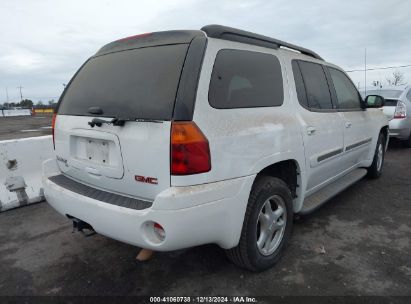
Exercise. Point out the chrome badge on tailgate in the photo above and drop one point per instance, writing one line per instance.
(63, 160)
(146, 179)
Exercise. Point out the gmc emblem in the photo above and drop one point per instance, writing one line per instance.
(147, 180)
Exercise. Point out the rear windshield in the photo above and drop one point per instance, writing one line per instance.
(390, 103)
(385, 93)
(138, 83)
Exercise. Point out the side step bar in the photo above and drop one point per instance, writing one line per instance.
(316, 200)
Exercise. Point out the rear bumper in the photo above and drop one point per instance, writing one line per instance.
(400, 128)
(190, 216)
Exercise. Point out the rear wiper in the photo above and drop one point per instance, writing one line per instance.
(99, 122)
(118, 121)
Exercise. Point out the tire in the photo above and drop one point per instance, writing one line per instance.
(407, 143)
(267, 192)
(376, 168)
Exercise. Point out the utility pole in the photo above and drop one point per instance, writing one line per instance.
(365, 72)
(21, 94)
(7, 95)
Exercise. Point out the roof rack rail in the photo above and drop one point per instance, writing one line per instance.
(233, 34)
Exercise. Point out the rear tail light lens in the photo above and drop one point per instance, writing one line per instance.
(190, 151)
(400, 110)
(53, 124)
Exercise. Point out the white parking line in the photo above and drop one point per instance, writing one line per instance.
(36, 130)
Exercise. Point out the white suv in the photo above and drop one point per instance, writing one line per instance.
(175, 139)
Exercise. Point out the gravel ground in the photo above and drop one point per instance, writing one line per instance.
(357, 244)
(22, 127)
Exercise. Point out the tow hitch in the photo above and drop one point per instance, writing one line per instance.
(79, 225)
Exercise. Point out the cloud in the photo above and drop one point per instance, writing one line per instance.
(21, 61)
(44, 42)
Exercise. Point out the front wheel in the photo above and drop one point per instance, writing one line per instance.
(375, 170)
(267, 225)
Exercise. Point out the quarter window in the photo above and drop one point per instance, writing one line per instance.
(347, 95)
(244, 79)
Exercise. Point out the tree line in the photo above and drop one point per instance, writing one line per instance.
(29, 104)
(397, 79)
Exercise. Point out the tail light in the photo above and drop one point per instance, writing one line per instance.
(53, 124)
(400, 110)
(190, 151)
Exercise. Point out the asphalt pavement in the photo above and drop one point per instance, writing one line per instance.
(24, 126)
(357, 244)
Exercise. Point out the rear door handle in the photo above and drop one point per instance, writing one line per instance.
(311, 130)
(348, 124)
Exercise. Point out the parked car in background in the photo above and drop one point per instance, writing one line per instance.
(175, 139)
(397, 108)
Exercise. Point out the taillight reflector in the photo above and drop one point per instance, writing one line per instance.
(53, 124)
(190, 151)
(159, 231)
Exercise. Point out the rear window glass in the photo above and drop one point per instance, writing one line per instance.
(244, 79)
(385, 93)
(299, 84)
(138, 83)
(316, 86)
(390, 102)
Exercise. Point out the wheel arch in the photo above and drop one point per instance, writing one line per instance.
(384, 131)
(289, 171)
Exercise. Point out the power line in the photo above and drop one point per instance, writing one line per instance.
(382, 68)
(44, 97)
(365, 70)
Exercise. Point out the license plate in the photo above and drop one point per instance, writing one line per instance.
(97, 151)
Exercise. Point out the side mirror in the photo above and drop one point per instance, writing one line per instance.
(374, 101)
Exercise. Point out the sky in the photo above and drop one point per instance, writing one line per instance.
(43, 43)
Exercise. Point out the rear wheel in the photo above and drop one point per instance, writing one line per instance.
(407, 143)
(267, 225)
(375, 170)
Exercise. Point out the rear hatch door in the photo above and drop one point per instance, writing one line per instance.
(137, 86)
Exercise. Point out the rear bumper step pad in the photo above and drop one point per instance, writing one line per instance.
(100, 195)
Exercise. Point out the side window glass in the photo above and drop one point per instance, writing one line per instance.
(316, 86)
(299, 84)
(347, 95)
(238, 83)
(245, 79)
